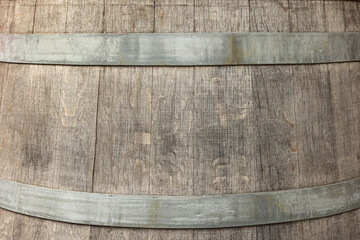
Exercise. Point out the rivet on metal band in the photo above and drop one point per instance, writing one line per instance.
(145, 211)
(149, 49)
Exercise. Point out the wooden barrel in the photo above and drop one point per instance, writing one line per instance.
(179, 130)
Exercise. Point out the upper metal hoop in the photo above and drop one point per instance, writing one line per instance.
(180, 49)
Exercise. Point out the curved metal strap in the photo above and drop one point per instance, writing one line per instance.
(180, 49)
(180, 211)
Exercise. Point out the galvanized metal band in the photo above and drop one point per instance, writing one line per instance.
(180, 49)
(180, 211)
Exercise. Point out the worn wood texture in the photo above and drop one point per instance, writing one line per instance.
(275, 154)
(328, 150)
(171, 169)
(123, 149)
(7, 218)
(48, 121)
(179, 131)
(222, 109)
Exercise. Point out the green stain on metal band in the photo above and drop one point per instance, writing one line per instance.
(176, 212)
(180, 49)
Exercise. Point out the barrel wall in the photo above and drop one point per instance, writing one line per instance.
(179, 130)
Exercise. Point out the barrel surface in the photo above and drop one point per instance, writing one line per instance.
(179, 130)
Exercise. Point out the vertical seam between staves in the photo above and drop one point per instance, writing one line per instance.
(66, 17)
(33, 27)
(101, 74)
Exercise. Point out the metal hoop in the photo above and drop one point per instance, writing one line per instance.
(180, 49)
(180, 211)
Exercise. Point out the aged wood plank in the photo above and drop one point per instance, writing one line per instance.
(174, 16)
(11, 21)
(172, 132)
(222, 16)
(322, 107)
(123, 146)
(307, 16)
(6, 18)
(275, 148)
(6, 225)
(222, 117)
(50, 16)
(105, 233)
(269, 16)
(326, 125)
(222, 130)
(274, 114)
(344, 80)
(345, 84)
(7, 218)
(274, 153)
(123, 138)
(36, 228)
(316, 127)
(351, 15)
(46, 113)
(84, 16)
(129, 16)
(23, 19)
(49, 123)
(172, 158)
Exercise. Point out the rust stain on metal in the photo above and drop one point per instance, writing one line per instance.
(233, 56)
(179, 49)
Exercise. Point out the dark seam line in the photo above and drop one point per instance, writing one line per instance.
(33, 27)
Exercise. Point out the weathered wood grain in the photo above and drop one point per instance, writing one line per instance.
(315, 128)
(11, 21)
(6, 225)
(48, 125)
(123, 150)
(171, 171)
(304, 119)
(6, 18)
(275, 148)
(123, 137)
(172, 111)
(345, 79)
(129, 16)
(351, 15)
(222, 116)
(327, 148)
(85, 16)
(221, 16)
(269, 16)
(7, 13)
